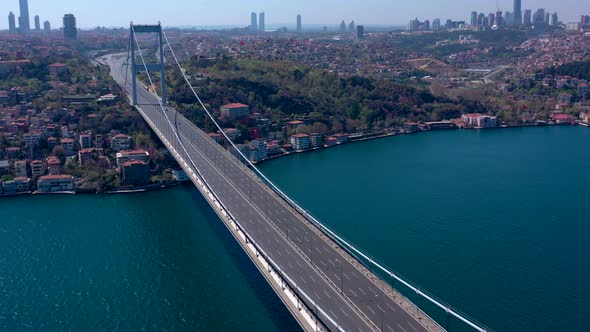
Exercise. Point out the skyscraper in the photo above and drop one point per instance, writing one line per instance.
(360, 32)
(261, 24)
(298, 23)
(473, 18)
(70, 30)
(499, 19)
(527, 17)
(253, 21)
(11, 23)
(554, 20)
(24, 24)
(47, 27)
(351, 27)
(436, 24)
(342, 27)
(37, 23)
(517, 12)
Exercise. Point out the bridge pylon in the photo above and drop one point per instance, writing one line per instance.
(137, 68)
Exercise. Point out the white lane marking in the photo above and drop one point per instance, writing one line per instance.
(412, 326)
(362, 291)
(328, 295)
(390, 328)
(369, 307)
(344, 312)
(401, 327)
(346, 276)
(389, 305)
(378, 306)
(353, 293)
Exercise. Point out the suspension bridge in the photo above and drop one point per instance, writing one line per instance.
(326, 283)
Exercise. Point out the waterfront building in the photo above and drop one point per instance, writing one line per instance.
(125, 156)
(253, 21)
(301, 142)
(17, 185)
(55, 183)
(258, 150)
(517, 13)
(54, 165)
(234, 111)
(180, 175)
(476, 120)
(47, 27)
(70, 29)
(120, 142)
(135, 173)
(316, 140)
(85, 141)
(299, 23)
(24, 24)
(37, 168)
(11, 23)
(37, 23)
(20, 168)
(261, 22)
(410, 127)
(273, 149)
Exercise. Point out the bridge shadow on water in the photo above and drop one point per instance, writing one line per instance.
(279, 314)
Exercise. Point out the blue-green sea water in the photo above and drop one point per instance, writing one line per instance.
(497, 223)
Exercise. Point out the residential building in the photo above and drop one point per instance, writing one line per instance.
(135, 173)
(85, 141)
(258, 150)
(18, 185)
(69, 146)
(54, 165)
(316, 140)
(32, 138)
(57, 68)
(360, 31)
(55, 183)
(21, 169)
(37, 168)
(235, 111)
(120, 142)
(217, 137)
(125, 156)
(301, 142)
(89, 154)
(4, 167)
(98, 141)
(232, 133)
(13, 153)
(273, 149)
(70, 29)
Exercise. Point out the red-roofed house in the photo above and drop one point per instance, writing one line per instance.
(57, 68)
(235, 110)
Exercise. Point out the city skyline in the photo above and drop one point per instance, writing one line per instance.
(371, 12)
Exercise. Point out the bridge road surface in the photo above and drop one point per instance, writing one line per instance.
(306, 257)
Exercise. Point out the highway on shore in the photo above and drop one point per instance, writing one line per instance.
(347, 293)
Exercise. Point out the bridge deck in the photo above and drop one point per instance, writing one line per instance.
(349, 293)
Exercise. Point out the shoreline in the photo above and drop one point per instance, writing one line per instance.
(373, 136)
(419, 131)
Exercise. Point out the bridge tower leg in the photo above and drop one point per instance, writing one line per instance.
(137, 68)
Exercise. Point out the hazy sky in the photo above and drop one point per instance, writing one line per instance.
(91, 13)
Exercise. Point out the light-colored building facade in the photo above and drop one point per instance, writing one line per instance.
(120, 142)
(301, 142)
(125, 156)
(235, 110)
(55, 183)
(37, 168)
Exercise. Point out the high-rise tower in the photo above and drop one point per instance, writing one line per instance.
(261, 24)
(70, 30)
(24, 24)
(253, 21)
(47, 27)
(517, 13)
(298, 23)
(37, 23)
(11, 23)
